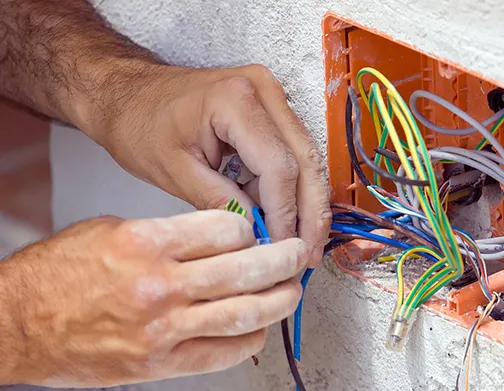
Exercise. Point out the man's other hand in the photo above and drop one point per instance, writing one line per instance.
(171, 127)
(108, 302)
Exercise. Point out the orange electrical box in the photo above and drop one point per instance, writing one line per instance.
(349, 47)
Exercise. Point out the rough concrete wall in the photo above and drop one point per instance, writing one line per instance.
(346, 320)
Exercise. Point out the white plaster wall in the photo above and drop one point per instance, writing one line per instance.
(346, 320)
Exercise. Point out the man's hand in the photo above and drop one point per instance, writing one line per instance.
(109, 302)
(171, 126)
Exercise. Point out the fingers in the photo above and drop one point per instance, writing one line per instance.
(208, 189)
(203, 355)
(311, 194)
(248, 270)
(314, 212)
(243, 314)
(240, 120)
(252, 189)
(189, 236)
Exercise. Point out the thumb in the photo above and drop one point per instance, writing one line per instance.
(206, 188)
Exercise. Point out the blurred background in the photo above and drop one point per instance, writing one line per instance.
(25, 178)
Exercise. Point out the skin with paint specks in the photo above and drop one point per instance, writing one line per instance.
(116, 302)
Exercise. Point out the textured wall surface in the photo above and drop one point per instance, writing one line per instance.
(346, 320)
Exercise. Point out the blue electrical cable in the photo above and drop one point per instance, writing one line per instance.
(432, 240)
(377, 238)
(297, 316)
(348, 229)
(402, 222)
(259, 226)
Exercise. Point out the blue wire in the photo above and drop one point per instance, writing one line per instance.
(259, 223)
(368, 235)
(390, 213)
(297, 315)
(417, 231)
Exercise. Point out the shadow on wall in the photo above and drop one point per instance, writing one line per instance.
(25, 178)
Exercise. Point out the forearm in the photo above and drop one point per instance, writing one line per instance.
(60, 58)
(11, 336)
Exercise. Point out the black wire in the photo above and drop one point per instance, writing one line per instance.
(290, 356)
(354, 102)
(388, 153)
(354, 160)
(333, 244)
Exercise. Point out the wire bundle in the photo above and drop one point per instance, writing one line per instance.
(417, 165)
(426, 204)
(418, 212)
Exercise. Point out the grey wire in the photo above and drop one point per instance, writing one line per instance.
(492, 249)
(476, 126)
(443, 102)
(492, 156)
(499, 239)
(493, 257)
(497, 256)
(473, 159)
(491, 169)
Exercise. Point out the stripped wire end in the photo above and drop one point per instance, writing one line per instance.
(398, 333)
(234, 206)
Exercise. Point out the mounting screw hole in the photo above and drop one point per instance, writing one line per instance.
(496, 99)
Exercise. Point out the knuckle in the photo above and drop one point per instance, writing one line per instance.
(210, 198)
(324, 222)
(124, 232)
(242, 230)
(236, 221)
(288, 167)
(237, 320)
(266, 76)
(149, 289)
(239, 87)
(312, 159)
(261, 71)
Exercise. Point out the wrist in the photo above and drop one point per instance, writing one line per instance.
(12, 341)
(114, 86)
(107, 81)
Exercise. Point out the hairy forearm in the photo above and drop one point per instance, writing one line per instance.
(61, 58)
(11, 336)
